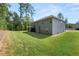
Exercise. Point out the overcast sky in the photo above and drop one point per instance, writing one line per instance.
(70, 11)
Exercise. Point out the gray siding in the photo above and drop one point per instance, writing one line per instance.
(47, 27)
(57, 26)
(44, 27)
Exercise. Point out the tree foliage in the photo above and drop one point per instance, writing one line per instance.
(27, 11)
(3, 15)
(22, 21)
(60, 16)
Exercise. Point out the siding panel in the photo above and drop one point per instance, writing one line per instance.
(58, 26)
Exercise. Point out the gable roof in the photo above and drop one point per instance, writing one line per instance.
(47, 17)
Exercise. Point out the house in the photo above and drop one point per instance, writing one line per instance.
(48, 25)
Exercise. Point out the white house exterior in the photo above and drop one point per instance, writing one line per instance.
(49, 25)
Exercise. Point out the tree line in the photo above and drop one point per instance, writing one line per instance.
(12, 20)
(19, 21)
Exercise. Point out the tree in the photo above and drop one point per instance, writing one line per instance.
(21, 10)
(26, 22)
(66, 20)
(66, 23)
(3, 14)
(27, 10)
(16, 21)
(60, 16)
(9, 20)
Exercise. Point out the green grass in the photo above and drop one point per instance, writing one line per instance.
(34, 44)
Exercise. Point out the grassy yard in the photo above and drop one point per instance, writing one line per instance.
(34, 44)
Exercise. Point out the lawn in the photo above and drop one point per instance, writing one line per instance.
(34, 44)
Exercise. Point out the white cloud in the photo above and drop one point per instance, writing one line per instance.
(49, 10)
(74, 9)
(70, 11)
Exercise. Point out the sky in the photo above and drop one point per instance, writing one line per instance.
(69, 10)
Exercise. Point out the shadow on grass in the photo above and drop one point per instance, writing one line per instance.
(37, 35)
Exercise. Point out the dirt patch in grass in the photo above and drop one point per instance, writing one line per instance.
(3, 42)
